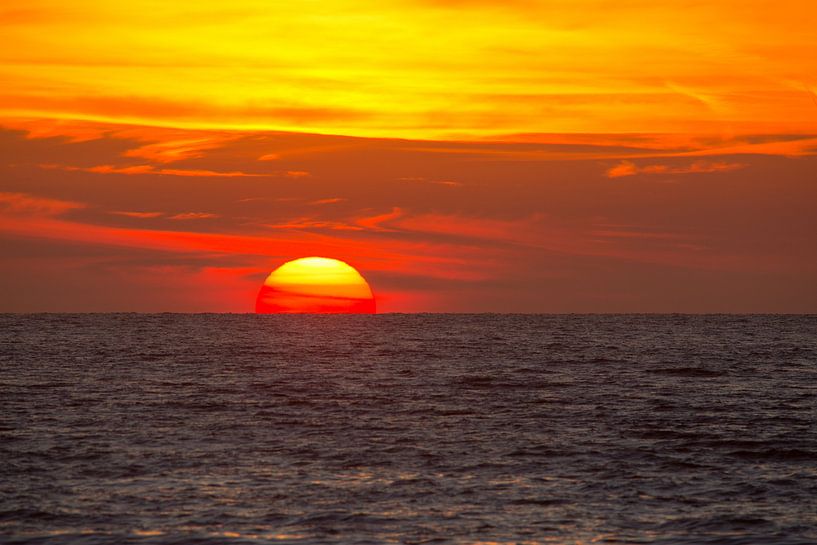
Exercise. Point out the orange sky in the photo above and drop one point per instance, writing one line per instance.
(416, 68)
(464, 155)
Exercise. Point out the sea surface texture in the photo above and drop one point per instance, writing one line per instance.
(244, 429)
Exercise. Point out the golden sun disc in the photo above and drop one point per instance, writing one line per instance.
(317, 285)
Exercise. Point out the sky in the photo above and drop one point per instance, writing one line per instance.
(463, 155)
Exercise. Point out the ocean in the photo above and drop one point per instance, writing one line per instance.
(461, 429)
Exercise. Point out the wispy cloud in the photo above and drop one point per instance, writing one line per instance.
(308, 223)
(376, 222)
(364, 222)
(305, 151)
(178, 216)
(333, 200)
(193, 216)
(23, 203)
(150, 169)
(168, 151)
(422, 179)
(628, 168)
(136, 214)
(193, 173)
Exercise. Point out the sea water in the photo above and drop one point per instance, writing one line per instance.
(126, 428)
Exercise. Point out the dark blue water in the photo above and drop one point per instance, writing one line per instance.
(408, 429)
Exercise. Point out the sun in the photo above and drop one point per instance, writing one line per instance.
(317, 285)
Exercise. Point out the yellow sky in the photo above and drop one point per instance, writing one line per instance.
(416, 68)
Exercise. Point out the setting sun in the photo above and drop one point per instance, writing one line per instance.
(315, 285)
